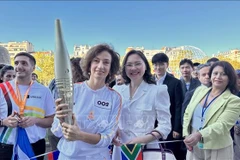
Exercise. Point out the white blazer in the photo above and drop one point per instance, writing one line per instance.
(150, 102)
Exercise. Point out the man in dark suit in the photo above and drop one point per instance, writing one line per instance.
(203, 76)
(188, 83)
(160, 63)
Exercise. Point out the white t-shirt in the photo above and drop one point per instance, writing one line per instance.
(96, 111)
(40, 103)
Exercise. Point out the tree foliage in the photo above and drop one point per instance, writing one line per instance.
(44, 67)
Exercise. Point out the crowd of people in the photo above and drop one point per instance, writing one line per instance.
(124, 104)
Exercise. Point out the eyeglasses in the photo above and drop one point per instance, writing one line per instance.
(130, 65)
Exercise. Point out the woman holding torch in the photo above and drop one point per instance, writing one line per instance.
(95, 112)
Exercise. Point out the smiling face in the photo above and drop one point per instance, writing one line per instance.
(135, 67)
(23, 67)
(219, 78)
(100, 66)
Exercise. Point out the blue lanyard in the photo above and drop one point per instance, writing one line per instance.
(205, 106)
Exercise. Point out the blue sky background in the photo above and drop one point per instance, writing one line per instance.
(211, 26)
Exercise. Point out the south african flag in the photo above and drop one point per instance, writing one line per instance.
(131, 152)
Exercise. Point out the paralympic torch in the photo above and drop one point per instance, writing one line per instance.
(63, 72)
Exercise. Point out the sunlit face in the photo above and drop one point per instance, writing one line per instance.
(135, 67)
(203, 76)
(8, 76)
(119, 79)
(100, 65)
(186, 70)
(160, 68)
(219, 78)
(23, 67)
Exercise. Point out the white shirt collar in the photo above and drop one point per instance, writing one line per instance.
(160, 81)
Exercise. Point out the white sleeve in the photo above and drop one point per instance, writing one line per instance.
(3, 106)
(110, 131)
(56, 127)
(162, 106)
(49, 104)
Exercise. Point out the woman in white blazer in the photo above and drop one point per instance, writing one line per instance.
(144, 102)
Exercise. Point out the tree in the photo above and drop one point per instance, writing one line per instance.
(44, 67)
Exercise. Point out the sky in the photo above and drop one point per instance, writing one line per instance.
(211, 26)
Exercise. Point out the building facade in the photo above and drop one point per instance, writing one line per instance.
(80, 51)
(16, 47)
(148, 52)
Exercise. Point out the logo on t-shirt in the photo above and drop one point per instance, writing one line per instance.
(103, 104)
(36, 97)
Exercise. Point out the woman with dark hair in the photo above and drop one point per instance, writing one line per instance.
(211, 114)
(96, 109)
(7, 73)
(144, 102)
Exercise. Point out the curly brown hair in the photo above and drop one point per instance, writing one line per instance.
(95, 51)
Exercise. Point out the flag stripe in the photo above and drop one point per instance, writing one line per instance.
(3, 133)
(11, 91)
(132, 155)
(6, 136)
(50, 156)
(33, 115)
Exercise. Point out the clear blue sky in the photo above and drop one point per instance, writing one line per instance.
(211, 26)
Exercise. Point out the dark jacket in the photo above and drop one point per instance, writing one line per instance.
(194, 83)
(176, 99)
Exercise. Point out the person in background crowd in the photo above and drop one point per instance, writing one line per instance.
(144, 102)
(203, 76)
(77, 72)
(96, 109)
(211, 114)
(211, 61)
(188, 83)
(34, 77)
(194, 72)
(119, 79)
(4, 57)
(7, 73)
(78, 76)
(160, 63)
(237, 125)
(1, 66)
(32, 101)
